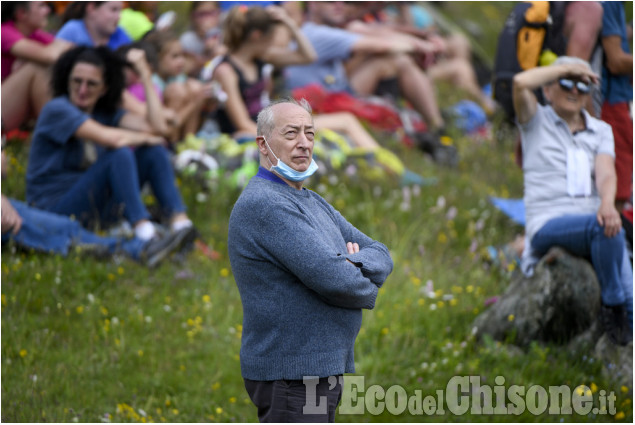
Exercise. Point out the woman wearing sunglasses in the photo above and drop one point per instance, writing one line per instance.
(570, 184)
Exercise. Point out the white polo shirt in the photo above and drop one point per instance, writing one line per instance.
(546, 139)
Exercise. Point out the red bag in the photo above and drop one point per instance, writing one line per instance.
(380, 116)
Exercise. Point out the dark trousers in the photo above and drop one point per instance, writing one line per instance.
(286, 400)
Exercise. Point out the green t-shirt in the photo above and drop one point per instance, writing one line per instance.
(135, 23)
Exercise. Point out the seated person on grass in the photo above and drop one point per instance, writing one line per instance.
(248, 35)
(27, 47)
(186, 96)
(80, 162)
(42, 231)
(357, 63)
(570, 184)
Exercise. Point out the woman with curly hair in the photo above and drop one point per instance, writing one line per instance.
(80, 162)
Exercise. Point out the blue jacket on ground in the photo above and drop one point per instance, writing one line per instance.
(301, 298)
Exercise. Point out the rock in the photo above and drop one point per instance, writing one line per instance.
(560, 301)
(617, 361)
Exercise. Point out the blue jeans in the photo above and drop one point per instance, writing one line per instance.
(110, 188)
(583, 236)
(53, 233)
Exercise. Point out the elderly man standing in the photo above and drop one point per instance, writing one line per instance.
(304, 275)
(570, 183)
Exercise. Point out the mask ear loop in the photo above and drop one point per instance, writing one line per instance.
(270, 150)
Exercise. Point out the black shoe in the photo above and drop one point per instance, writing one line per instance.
(615, 324)
(156, 249)
(440, 147)
(187, 245)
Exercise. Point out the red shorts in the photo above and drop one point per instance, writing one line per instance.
(619, 117)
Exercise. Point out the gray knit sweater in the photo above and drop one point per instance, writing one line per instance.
(301, 299)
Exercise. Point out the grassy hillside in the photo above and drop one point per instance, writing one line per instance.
(94, 341)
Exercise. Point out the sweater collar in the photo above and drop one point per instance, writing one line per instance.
(263, 173)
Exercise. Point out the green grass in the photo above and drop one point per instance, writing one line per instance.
(90, 341)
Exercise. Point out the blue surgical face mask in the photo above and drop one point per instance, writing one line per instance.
(289, 173)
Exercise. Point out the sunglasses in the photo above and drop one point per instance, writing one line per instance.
(567, 84)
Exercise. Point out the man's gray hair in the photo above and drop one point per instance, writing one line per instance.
(566, 60)
(265, 121)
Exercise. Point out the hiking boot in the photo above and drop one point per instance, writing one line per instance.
(187, 245)
(156, 249)
(614, 324)
(440, 147)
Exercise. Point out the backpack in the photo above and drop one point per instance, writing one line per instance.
(531, 27)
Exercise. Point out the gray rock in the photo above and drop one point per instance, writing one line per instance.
(561, 300)
(617, 361)
(560, 304)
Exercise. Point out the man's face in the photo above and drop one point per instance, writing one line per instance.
(292, 137)
(331, 13)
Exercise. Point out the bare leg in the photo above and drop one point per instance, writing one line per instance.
(415, 86)
(582, 25)
(458, 46)
(186, 100)
(460, 73)
(347, 124)
(24, 94)
(193, 122)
